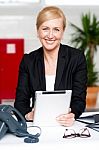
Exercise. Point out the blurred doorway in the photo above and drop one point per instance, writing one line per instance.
(11, 52)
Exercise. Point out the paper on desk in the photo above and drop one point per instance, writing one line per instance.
(89, 119)
(94, 126)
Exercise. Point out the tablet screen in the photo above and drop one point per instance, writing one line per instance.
(49, 105)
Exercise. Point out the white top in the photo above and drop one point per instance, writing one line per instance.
(50, 81)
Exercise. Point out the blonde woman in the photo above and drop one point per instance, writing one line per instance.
(53, 66)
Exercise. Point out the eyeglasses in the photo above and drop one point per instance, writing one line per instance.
(70, 133)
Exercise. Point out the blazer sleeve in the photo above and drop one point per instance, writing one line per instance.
(78, 101)
(23, 95)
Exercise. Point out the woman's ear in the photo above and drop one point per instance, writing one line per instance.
(62, 36)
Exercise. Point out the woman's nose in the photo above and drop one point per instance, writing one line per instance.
(50, 34)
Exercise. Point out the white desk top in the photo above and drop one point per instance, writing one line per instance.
(51, 139)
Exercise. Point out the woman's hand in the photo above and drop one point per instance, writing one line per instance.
(30, 115)
(66, 119)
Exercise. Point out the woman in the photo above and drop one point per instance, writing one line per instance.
(52, 67)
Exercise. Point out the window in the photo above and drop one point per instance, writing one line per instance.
(18, 1)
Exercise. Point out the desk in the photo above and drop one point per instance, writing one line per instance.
(51, 139)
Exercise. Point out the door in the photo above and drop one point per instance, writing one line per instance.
(11, 52)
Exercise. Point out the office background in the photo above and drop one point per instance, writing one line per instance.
(17, 22)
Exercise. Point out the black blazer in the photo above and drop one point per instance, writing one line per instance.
(71, 74)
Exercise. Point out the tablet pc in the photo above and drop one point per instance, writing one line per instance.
(49, 105)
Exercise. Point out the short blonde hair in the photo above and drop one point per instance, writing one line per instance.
(49, 13)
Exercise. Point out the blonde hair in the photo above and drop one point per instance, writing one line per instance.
(49, 13)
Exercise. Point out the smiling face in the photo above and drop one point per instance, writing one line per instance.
(50, 23)
(50, 33)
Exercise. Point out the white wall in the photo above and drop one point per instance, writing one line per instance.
(19, 22)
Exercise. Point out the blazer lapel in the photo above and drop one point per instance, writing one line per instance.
(62, 62)
(41, 71)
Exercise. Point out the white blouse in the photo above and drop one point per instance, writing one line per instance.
(50, 81)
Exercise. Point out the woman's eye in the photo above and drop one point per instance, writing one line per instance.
(57, 29)
(45, 28)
